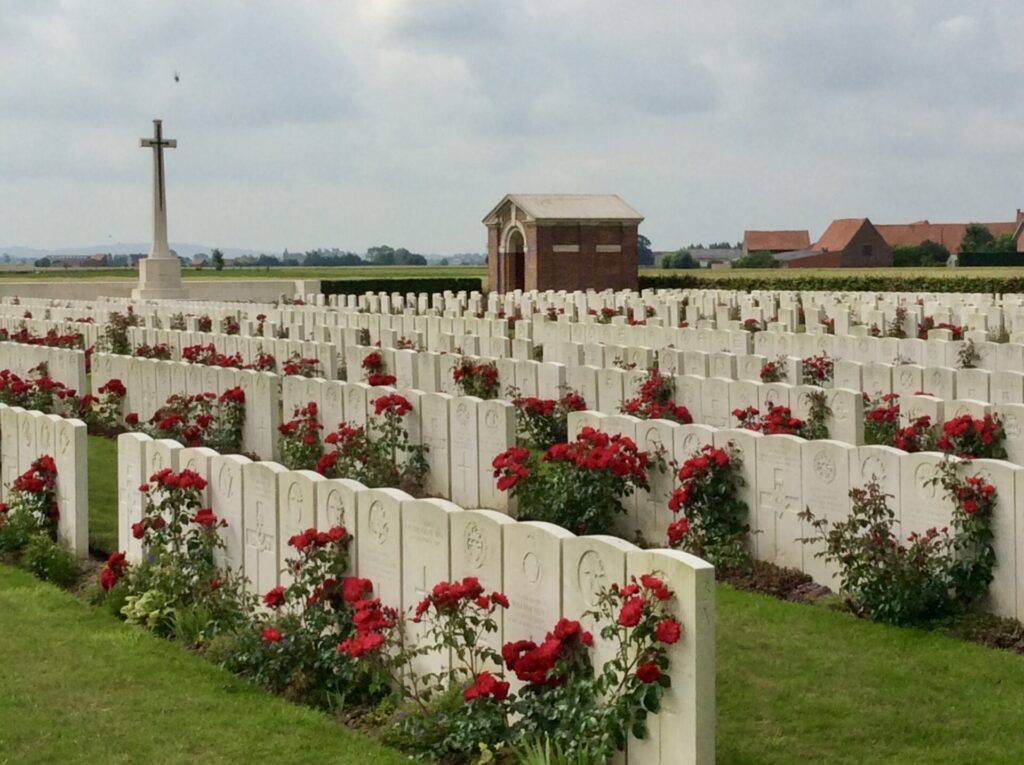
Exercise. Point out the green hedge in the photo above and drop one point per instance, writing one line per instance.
(894, 283)
(978, 259)
(402, 286)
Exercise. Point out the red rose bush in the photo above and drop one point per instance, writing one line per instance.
(178, 588)
(579, 485)
(543, 422)
(204, 419)
(654, 401)
(919, 576)
(480, 380)
(31, 507)
(712, 519)
(375, 371)
(384, 456)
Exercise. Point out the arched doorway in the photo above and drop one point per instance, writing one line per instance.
(514, 266)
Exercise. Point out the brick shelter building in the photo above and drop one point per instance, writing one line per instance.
(846, 243)
(562, 242)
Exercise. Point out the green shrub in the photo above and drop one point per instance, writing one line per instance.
(820, 280)
(16, 529)
(544, 753)
(756, 260)
(978, 259)
(49, 560)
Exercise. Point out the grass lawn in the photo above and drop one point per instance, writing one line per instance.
(802, 684)
(79, 686)
(103, 493)
(796, 684)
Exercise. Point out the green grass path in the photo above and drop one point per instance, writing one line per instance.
(796, 684)
(76, 685)
(103, 493)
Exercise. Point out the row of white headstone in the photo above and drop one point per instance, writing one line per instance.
(64, 365)
(25, 436)
(405, 546)
(249, 347)
(150, 382)
(783, 475)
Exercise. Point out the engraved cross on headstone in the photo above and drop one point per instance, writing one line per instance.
(777, 499)
(463, 470)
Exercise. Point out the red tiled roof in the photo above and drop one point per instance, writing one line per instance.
(782, 241)
(948, 235)
(839, 233)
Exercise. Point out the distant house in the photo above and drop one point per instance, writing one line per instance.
(198, 261)
(949, 235)
(706, 257)
(846, 243)
(99, 260)
(713, 256)
(775, 241)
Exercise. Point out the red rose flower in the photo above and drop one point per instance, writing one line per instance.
(274, 598)
(667, 631)
(631, 612)
(648, 672)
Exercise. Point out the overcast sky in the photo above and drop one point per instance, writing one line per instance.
(305, 124)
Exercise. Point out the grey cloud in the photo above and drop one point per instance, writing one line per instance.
(352, 123)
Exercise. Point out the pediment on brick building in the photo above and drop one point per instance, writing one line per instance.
(561, 208)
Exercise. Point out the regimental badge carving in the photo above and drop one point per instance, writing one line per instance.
(475, 545)
(1011, 424)
(873, 467)
(226, 482)
(923, 476)
(691, 444)
(378, 523)
(824, 467)
(531, 568)
(590, 577)
(462, 412)
(335, 509)
(491, 419)
(652, 440)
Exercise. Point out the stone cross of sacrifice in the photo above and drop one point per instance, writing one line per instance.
(160, 247)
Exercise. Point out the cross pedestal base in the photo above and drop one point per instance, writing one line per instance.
(159, 279)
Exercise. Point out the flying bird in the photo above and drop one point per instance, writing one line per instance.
(176, 77)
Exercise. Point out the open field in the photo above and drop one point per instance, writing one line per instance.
(297, 272)
(406, 272)
(796, 684)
